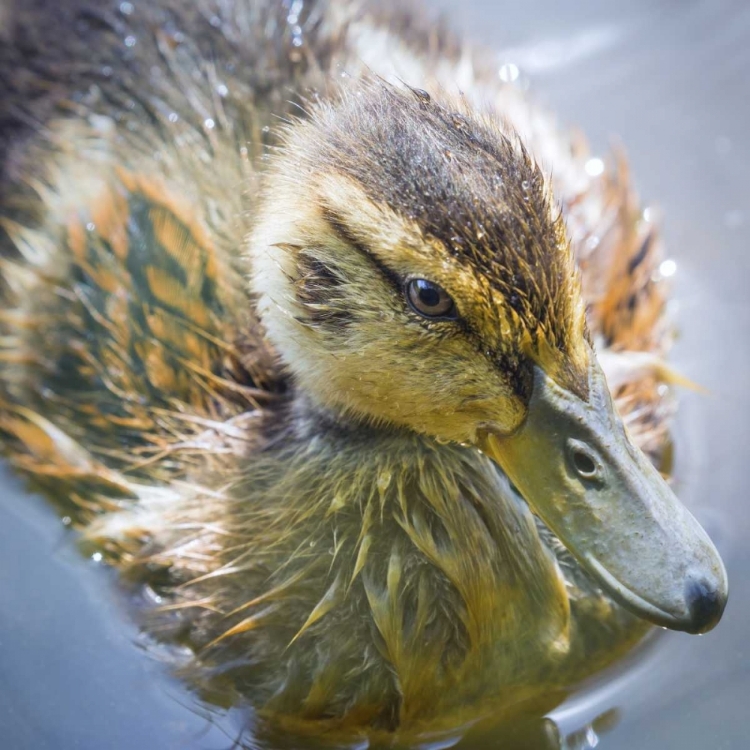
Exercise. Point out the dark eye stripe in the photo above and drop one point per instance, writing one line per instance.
(430, 300)
(340, 228)
(425, 297)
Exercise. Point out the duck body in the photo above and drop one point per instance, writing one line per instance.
(341, 572)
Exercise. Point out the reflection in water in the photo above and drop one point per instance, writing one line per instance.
(537, 733)
(531, 732)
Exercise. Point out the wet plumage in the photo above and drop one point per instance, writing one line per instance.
(286, 461)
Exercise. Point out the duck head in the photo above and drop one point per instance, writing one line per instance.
(413, 271)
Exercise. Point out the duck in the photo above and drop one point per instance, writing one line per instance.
(323, 335)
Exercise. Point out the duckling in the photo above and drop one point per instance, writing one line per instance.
(309, 353)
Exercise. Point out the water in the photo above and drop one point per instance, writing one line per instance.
(671, 79)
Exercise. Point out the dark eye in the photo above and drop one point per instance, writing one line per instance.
(430, 300)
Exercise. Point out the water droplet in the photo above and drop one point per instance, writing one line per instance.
(107, 71)
(294, 10)
(173, 117)
(422, 96)
(130, 41)
(126, 8)
(209, 124)
(594, 167)
(66, 520)
(297, 41)
(338, 502)
(151, 595)
(91, 226)
(215, 21)
(459, 121)
(266, 129)
(509, 72)
(525, 185)
(592, 243)
(97, 557)
(591, 737)
(648, 214)
(384, 479)
(668, 268)
(222, 90)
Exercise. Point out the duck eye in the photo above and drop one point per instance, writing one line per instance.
(429, 299)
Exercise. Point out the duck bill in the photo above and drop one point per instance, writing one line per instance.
(577, 468)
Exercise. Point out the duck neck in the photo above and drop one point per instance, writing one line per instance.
(383, 563)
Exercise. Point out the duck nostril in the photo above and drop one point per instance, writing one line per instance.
(584, 464)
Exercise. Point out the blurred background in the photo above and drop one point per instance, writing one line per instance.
(670, 79)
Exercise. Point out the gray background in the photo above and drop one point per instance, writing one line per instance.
(672, 80)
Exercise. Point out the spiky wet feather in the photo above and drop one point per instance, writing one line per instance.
(470, 192)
